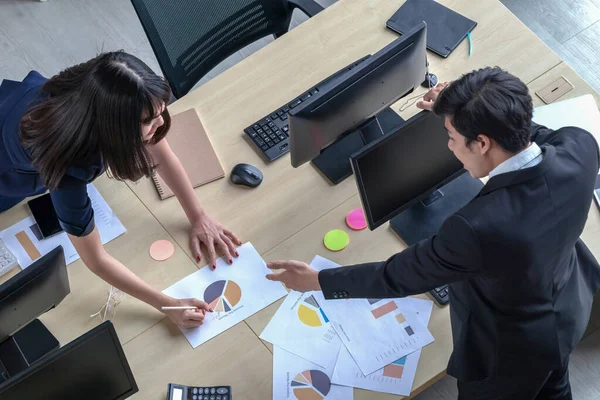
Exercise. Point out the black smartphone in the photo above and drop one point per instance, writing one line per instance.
(45, 215)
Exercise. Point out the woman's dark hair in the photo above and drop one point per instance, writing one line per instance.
(94, 111)
(492, 102)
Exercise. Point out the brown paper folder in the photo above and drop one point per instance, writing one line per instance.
(190, 143)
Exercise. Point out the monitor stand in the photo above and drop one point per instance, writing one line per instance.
(334, 161)
(425, 218)
(25, 347)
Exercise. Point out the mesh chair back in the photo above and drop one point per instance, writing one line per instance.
(190, 37)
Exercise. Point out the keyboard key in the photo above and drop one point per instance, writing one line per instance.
(259, 142)
(274, 116)
(264, 147)
(276, 140)
(280, 112)
(305, 96)
(439, 289)
(282, 137)
(285, 129)
(286, 109)
(260, 131)
(256, 127)
(444, 293)
(295, 103)
(314, 91)
(284, 117)
(271, 125)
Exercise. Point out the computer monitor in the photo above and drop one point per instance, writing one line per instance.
(33, 291)
(352, 102)
(91, 367)
(27, 295)
(398, 177)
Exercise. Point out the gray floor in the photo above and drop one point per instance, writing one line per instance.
(50, 36)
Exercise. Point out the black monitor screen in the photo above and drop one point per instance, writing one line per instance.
(404, 166)
(92, 367)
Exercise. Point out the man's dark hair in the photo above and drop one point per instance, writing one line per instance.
(492, 102)
(94, 111)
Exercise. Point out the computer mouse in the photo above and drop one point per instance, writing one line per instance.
(247, 175)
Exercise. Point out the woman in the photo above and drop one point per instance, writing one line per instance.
(106, 114)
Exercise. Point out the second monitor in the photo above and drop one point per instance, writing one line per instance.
(337, 122)
(412, 178)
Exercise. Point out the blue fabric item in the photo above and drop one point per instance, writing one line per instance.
(20, 179)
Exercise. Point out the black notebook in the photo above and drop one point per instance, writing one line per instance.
(445, 28)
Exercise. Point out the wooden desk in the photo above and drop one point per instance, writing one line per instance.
(290, 199)
(88, 292)
(287, 216)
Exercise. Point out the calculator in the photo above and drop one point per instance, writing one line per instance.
(8, 261)
(182, 392)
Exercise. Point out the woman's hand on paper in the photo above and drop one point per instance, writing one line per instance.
(209, 232)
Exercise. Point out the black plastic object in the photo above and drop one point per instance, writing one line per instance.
(377, 83)
(247, 175)
(23, 298)
(446, 28)
(91, 367)
(334, 161)
(424, 219)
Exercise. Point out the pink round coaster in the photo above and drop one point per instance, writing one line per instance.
(162, 250)
(356, 219)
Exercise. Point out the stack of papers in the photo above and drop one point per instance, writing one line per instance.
(372, 344)
(109, 228)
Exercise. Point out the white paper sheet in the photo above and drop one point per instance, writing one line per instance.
(386, 379)
(295, 378)
(235, 292)
(373, 337)
(581, 112)
(109, 228)
(301, 327)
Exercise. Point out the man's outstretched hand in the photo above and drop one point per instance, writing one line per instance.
(295, 275)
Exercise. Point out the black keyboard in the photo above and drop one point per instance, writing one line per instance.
(270, 135)
(441, 294)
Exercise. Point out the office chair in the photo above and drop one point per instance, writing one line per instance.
(190, 37)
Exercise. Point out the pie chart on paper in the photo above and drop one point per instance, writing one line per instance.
(311, 385)
(222, 296)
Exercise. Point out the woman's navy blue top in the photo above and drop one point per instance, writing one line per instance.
(20, 179)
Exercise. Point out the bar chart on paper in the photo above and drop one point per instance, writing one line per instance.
(376, 332)
(396, 377)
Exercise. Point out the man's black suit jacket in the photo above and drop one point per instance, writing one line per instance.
(521, 280)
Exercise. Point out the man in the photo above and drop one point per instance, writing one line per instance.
(521, 280)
